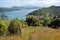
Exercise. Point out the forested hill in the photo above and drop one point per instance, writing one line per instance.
(17, 8)
(56, 9)
(9, 9)
(50, 11)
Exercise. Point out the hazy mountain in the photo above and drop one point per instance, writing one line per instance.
(26, 7)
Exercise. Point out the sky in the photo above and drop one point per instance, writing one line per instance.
(39, 3)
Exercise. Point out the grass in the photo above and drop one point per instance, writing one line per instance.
(36, 33)
(11, 38)
(40, 33)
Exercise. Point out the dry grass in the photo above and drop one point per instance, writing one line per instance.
(36, 33)
(11, 38)
(40, 33)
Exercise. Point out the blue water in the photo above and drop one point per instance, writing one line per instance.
(17, 14)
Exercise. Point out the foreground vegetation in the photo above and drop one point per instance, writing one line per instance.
(31, 29)
(36, 33)
(35, 27)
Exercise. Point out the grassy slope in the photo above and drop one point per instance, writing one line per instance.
(40, 33)
(37, 33)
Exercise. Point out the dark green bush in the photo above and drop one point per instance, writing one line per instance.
(3, 27)
(32, 21)
(14, 27)
(55, 23)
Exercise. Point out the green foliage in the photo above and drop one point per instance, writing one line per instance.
(46, 21)
(55, 23)
(14, 26)
(3, 27)
(32, 21)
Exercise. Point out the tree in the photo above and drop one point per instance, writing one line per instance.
(32, 21)
(3, 27)
(55, 23)
(46, 21)
(14, 27)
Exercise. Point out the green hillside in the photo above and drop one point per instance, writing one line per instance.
(48, 11)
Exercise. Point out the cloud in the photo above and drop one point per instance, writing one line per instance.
(40, 3)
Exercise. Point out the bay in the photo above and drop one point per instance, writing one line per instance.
(18, 14)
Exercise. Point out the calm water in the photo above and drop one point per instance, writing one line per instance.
(17, 14)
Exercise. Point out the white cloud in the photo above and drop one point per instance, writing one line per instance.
(40, 3)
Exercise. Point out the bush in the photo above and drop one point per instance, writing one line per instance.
(3, 27)
(14, 27)
(46, 21)
(32, 21)
(55, 23)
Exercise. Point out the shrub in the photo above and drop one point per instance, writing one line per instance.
(32, 21)
(46, 21)
(55, 23)
(3, 27)
(14, 27)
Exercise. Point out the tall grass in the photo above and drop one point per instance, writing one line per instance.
(35, 33)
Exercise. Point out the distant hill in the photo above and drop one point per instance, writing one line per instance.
(9, 9)
(16, 8)
(26, 7)
(47, 11)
